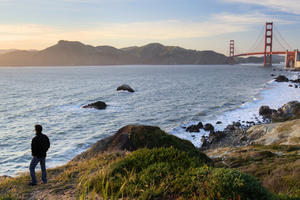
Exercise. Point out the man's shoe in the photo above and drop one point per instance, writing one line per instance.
(31, 184)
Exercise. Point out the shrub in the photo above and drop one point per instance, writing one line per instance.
(167, 173)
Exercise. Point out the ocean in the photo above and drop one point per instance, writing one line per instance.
(169, 96)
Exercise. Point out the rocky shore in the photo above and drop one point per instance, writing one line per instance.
(237, 134)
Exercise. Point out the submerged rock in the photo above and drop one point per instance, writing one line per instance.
(125, 87)
(100, 105)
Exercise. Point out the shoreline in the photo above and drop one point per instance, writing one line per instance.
(246, 114)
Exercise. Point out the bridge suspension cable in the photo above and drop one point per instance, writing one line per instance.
(288, 46)
(258, 40)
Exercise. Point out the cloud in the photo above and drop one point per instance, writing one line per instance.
(39, 36)
(289, 6)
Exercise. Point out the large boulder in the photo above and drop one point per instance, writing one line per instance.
(287, 111)
(216, 136)
(281, 78)
(133, 137)
(266, 111)
(97, 105)
(125, 87)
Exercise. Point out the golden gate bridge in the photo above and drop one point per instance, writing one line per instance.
(292, 57)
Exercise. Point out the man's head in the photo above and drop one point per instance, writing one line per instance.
(38, 128)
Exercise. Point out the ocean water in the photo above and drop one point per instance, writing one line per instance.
(170, 97)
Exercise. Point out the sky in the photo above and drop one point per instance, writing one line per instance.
(192, 24)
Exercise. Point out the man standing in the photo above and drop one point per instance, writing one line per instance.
(39, 146)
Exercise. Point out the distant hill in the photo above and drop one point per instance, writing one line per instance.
(3, 51)
(260, 59)
(69, 53)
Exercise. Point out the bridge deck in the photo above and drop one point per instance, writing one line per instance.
(262, 53)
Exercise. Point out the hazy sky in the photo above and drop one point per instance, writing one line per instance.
(193, 24)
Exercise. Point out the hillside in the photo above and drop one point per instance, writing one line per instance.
(68, 53)
(143, 162)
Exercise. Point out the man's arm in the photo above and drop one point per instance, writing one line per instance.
(34, 147)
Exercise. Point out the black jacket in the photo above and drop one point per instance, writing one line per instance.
(40, 145)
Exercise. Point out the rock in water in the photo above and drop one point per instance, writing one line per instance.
(209, 127)
(97, 105)
(281, 78)
(194, 128)
(125, 87)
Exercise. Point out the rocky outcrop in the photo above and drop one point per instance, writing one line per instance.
(97, 105)
(284, 133)
(288, 111)
(133, 137)
(125, 87)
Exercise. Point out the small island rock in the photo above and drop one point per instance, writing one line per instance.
(125, 87)
(97, 105)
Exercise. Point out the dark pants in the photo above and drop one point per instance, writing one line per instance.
(33, 164)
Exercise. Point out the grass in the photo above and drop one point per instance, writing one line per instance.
(61, 180)
(276, 166)
(167, 173)
(286, 127)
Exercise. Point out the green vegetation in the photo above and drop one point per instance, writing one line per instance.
(167, 173)
(7, 197)
(276, 166)
(153, 137)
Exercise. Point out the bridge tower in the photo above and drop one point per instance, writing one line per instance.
(268, 44)
(231, 52)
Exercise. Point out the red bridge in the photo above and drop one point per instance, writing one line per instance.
(292, 57)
